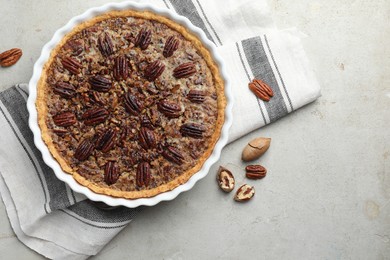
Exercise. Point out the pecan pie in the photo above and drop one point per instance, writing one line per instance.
(131, 104)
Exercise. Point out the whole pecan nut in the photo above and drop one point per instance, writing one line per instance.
(132, 104)
(100, 83)
(172, 154)
(95, 116)
(105, 44)
(196, 96)
(84, 150)
(143, 38)
(192, 130)
(121, 68)
(169, 109)
(244, 193)
(154, 70)
(64, 89)
(111, 173)
(184, 70)
(106, 140)
(225, 179)
(71, 64)
(10, 57)
(147, 138)
(171, 46)
(255, 171)
(261, 89)
(143, 174)
(64, 119)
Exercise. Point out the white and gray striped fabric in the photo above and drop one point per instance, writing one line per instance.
(56, 222)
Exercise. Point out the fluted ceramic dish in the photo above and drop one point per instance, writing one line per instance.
(67, 178)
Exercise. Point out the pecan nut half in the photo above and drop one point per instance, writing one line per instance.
(184, 70)
(143, 174)
(132, 104)
(121, 68)
(75, 46)
(10, 57)
(64, 119)
(172, 154)
(145, 122)
(147, 138)
(100, 83)
(105, 45)
(192, 130)
(255, 171)
(225, 179)
(261, 89)
(169, 109)
(171, 46)
(72, 65)
(143, 39)
(196, 96)
(95, 116)
(106, 140)
(64, 89)
(244, 193)
(84, 150)
(154, 70)
(111, 173)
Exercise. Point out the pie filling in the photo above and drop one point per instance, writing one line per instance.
(131, 103)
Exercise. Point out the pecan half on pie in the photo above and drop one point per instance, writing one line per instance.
(131, 104)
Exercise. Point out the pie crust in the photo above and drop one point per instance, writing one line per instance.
(43, 91)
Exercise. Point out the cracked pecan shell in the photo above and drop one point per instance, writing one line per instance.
(95, 116)
(143, 174)
(184, 70)
(111, 173)
(64, 119)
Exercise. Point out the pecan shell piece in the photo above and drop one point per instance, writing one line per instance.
(171, 45)
(64, 119)
(261, 89)
(121, 68)
(143, 39)
(169, 109)
(64, 89)
(147, 138)
(172, 154)
(244, 193)
(225, 179)
(10, 57)
(255, 171)
(100, 83)
(72, 65)
(184, 70)
(132, 104)
(196, 96)
(105, 44)
(95, 116)
(192, 130)
(154, 70)
(111, 173)
(106, 140)
(143, 174)
(84, 150)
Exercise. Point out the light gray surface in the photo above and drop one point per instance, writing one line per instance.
(327, 193)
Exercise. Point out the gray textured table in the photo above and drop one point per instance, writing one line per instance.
(327, 195)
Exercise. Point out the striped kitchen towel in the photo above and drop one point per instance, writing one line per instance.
(56, 222)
